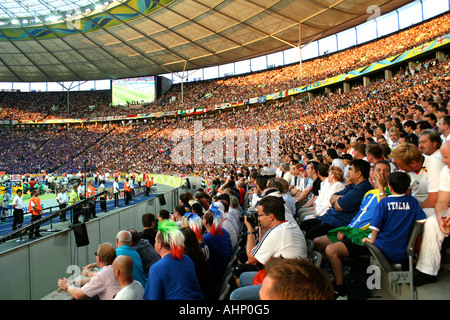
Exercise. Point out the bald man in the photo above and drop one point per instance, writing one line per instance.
(123, 273)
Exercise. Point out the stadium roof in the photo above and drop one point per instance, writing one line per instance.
(131, 38)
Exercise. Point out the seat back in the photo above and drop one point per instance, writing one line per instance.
(376, 253)
(415, 232)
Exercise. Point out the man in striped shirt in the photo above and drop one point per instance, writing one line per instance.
(278, 238)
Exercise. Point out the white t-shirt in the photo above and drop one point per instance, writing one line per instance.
(62, 198)
(81, 190)
(437, 154)
(227, 225)
(427, 180)
(17, 202)
(115, 187)
(444, 183)
(323, 203)
(133, 291)
(285, 239)
(288, 177)
(444, 179)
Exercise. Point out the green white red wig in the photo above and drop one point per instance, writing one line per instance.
(172, 237)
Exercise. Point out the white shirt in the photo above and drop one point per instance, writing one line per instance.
(285, 239)
(17, 202)
(80, 191)
(444, 181)
(288, 177)
(116, 187)
(227, 225)
(323, 200)
(437, 154)
(62, 198)
(426, 181)
(132, 291)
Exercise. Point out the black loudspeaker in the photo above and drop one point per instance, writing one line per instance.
(81, 236)
(162, 200)
(188, 183)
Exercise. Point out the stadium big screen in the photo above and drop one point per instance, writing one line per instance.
(133, 90)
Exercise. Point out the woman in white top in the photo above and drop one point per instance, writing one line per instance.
(335, 184)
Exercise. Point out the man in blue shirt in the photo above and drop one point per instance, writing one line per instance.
(123, 247)
(173, 277)
(345, 203)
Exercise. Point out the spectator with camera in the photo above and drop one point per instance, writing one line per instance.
(281, 238)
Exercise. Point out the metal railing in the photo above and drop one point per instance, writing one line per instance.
(81, 206)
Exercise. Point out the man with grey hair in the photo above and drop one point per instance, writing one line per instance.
(430, 143)
(286, 172)
(123, 245)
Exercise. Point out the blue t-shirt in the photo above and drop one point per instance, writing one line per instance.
(220, 253)
(138, 270)
(173, 279)
(350, 203)
(394, 218)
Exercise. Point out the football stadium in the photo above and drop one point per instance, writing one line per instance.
(224, 151)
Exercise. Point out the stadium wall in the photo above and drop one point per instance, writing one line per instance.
(31, 271)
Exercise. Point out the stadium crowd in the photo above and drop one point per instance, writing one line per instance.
(38, 105)
(359, 142)
(347, 163)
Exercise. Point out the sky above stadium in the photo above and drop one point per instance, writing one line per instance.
(31, 10)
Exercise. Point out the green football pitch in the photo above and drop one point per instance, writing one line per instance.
(123, 94)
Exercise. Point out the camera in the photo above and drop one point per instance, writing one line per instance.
(252, 217)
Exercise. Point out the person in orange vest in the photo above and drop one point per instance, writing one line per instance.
(90, 193)
(127, 190)
(35, 207)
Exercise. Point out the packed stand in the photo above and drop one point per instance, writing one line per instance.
(41, 105)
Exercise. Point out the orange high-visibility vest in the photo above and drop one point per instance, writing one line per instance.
(37, 204)
(126, 187)
(90, 191)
